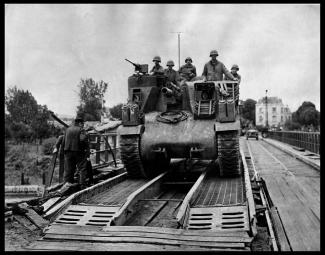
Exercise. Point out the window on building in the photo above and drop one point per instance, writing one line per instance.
(260, 118)
(273, 118)
(273, 109)
(281, 109)
(261, 110)
(281, 118)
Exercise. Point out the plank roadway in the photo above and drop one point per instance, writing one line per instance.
(294, 188)
(90, 238)
(117, 195)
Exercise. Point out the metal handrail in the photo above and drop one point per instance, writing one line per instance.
(306, 140)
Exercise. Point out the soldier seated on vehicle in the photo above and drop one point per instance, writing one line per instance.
(157, 69)
(173, 79)
(187, 71)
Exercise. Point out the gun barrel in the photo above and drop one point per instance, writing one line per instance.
(175, 86)
(167, 91)
(136, 65)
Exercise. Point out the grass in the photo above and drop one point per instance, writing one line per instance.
(28, 159)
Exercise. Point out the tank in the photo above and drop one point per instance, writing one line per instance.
(195, 120)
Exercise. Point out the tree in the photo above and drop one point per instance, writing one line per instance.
(306, 115)
(116, 111)
(40, 123)
(248, 112)
(21, 105)
(26, 120)
(91, 94)
(291, 125)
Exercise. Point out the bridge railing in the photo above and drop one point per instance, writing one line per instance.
(307, 140)
(104, 147)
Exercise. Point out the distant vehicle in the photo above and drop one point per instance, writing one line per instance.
(252, 133)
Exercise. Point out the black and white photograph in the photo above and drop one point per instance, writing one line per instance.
(162, 127)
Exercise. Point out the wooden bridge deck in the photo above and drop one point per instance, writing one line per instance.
(294, 188)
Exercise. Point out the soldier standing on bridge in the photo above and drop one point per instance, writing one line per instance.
(157, 68)
(187, 71)
(214, 69)
(76, 153)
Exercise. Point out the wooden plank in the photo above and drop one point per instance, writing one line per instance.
(36, 219)
(249, 195)
(279, 231)
(143, 230)
(140, 239)
(148, 190)
(26, 223)
(126, 235)
(146, 213)
(191, 195)
(49, 203)
(88, 246)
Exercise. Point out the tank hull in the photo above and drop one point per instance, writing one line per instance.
(178, 139)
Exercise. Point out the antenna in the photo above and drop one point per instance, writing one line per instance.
(179, 47)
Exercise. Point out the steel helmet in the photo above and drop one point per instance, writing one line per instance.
(170, 63)
(188, 58)
(156, 58)
(235, 67)
(213, 52)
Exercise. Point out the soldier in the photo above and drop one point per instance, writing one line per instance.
(76, 153)
(157, 68)
(234, 70)
(214, 69)
(171, 74)
(187, 71)
(234, 73)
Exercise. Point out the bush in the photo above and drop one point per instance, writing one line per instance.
(48, 145)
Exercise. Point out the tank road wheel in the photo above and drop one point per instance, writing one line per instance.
(130, 156)
(228, 153)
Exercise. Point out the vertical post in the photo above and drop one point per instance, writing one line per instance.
(98, 149)
(106, 149)
(267, 117)
(179, 51)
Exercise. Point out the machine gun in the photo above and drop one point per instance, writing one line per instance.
(139, 68)
(168, 89)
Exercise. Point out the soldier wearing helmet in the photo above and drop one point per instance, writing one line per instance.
(187, 71)
(234, 73)
(234, 70)
(157, 68)
(171, 74)
(215, 69)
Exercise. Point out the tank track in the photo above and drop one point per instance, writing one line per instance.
(228, 154)
(136, 168)
(130, 156)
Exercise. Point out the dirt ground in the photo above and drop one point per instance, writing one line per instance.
(17, 236)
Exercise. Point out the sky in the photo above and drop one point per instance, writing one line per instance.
(50, 47)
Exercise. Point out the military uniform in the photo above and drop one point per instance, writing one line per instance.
(76, 151)
(236, 75)
(172, 76)
(187, 71)
(214, 70)
(157, 70)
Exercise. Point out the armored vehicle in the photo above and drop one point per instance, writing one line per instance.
(194, 120)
